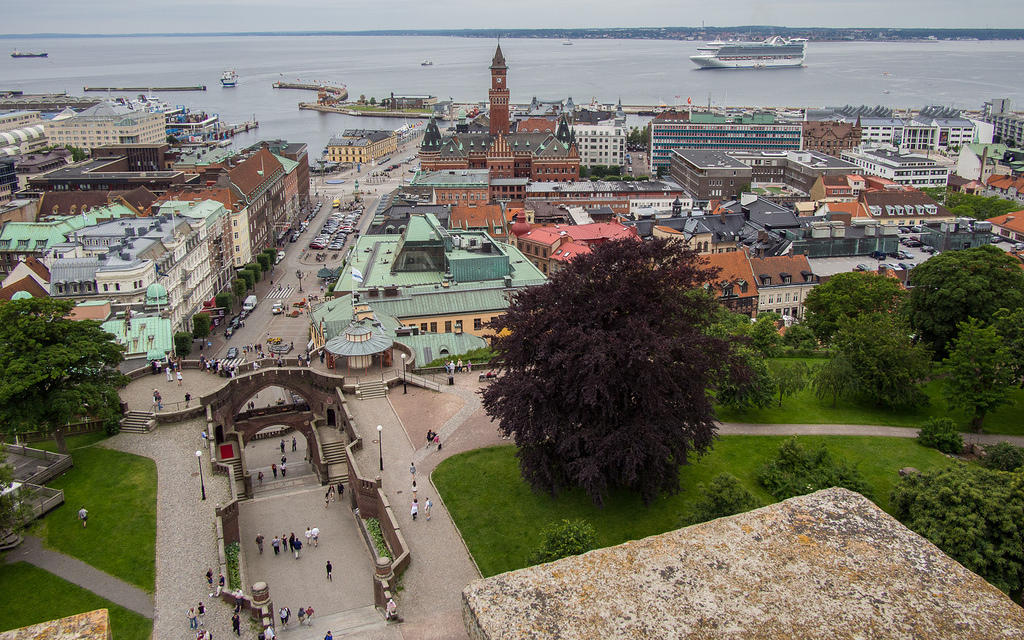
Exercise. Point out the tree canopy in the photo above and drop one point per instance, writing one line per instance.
(887, 368)
(796, 470)
(956, 285)
(846, 295)
(606, 370)
(723, 496)
(54, 370)
(974, 514)
(979, 371)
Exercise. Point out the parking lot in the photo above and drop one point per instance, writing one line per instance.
(912, 256)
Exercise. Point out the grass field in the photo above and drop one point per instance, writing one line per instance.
(500, 516)
(805, 408)
(32, 595)
(119, 490)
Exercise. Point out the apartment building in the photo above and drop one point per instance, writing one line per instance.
(907, 169)
(104, 124)
(716, 132)
(355, 146)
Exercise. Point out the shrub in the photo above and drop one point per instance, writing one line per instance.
(563, 539)
(201, 324)
(223, 300)
(183, 343)
(941, 434)
(723, 496)
(373, 526)
(797, 470)
(264, 262)
(234, 576)
(1003, 456)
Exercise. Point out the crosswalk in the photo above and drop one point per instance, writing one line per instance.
(233, 362)
(281, 293)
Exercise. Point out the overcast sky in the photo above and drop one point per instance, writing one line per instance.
(156, 16)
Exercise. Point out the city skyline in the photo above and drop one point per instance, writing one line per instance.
(218, 16)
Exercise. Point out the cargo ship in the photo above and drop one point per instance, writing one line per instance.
(775, 52)
(28, 54)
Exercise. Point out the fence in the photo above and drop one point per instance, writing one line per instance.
(78, 428)
(56, 463)
(44, 499)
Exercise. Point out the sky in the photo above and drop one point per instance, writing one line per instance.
(160, 16)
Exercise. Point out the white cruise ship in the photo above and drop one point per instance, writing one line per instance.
(775, 52)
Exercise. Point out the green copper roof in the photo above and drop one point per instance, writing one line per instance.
(146, 335)
(38, 236)
(288, 164)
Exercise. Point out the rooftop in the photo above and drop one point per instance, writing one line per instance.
(826, 565)
(452, 178)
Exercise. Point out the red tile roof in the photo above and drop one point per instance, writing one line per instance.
(775, 266)
(1013, 221)
(734, 268)
(1006, 182)
(25, 284)
(485, 216)
(569, 250)
(254, 171)
(594, 233)
(536, 125)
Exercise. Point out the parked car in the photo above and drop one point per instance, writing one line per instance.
(232, 353)
(927, 249)
(1019, 246)
(903, 255)
(906, 266)
(878, 255)
(862, 267)
(316, 244)
(277, 309)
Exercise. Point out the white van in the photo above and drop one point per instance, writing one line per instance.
(280, 256)
(249, 304)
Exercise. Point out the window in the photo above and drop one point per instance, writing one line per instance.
(423, 327)
(447, 326)
(433, 327)
(478, 323)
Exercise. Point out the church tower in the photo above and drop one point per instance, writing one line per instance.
(499, 95)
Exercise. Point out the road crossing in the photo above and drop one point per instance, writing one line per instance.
(282, 293)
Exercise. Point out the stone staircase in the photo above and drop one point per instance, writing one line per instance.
(371, 389)
(365, 622)
(236, 468)
(337, 461)
(137, 422)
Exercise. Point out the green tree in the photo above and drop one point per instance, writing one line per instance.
(563, 539)
(200, 325)
(979, 371)
(834, 379)
(54, 370)
(1010, 327)
(755, 388)
(255, 267)
(224, 299)
(247, 276)
(723, 496)
(956, 285)
(764, 334)
(978, 207)
(618, 352)
(183, 343)
(15, 508)
(77, 154)
(789, 377)
(1003, 456)
(796, 470)
(962, 211)
(846, 295)
(239, 286)
(887, 367)
(264, 262)
(373, 101)
(974, 514)
(941, 434)
(800, 338)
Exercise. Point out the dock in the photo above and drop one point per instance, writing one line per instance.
(46, 102)
(234, 129)
(340, 92)
(198, 87)
(333, 108)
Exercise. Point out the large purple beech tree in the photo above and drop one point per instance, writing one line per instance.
(606, 371)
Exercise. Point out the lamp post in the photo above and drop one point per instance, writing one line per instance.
(298, 274)
(202, 484)
(380, 446)
(405, 386)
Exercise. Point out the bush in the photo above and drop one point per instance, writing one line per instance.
(723, 496)
(201, 325)
(563, 539)
(248, 278)
(239, 286)
(483, 355)
(234, 576)
(264, 262)
(1003, 456)
(183, 343)
(373, 526)
(797, 470)
(941, 434)
(223, 300)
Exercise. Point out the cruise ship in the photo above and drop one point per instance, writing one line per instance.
(773, 53)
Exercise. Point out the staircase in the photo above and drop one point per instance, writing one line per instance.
(236, 467)
(337, 461)
(371, 389)
(137, 422)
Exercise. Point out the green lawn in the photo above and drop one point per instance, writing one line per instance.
(500, 516)
(119, 490)
(805, 408)
(32, 595)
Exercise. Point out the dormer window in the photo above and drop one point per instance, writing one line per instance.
(743, 286)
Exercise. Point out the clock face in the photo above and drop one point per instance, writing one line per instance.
(499, 79)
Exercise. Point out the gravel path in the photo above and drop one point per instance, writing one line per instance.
(186, 543)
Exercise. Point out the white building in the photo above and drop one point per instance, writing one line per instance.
(931, 129)
(906, 169)
(106, 123)
(602, 143)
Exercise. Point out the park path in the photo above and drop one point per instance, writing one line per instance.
(84, 575)
(186, 542)
(752, 429)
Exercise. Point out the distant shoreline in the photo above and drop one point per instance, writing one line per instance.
(815, 34)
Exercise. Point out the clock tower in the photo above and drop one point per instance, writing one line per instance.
(498, 95)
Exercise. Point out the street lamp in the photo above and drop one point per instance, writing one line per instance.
(202, 485)
(380, 446)
(298, 274)
(405, 386)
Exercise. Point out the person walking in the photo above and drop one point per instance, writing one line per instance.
(276, 543)
(180, 379)
(298, 547)
(309, 616)
(341, 490)
(259, 477)
(209, 578)
(83, 515)
(426, 508)
(328, 635)
(220, 585)
(170, 376)
(316, 536)
(259, 542)
(193, 621)
(412, 470)
(201, 613)
(327, 498)
(437, 441)
(391, 610)
(302, 615)
(415, 508)
(282, 445)
(295, 443)
(309, 535)
(273, 469)
(284, 613)
(284, 468)
(236, 624)
(188, 399)
(330, 568)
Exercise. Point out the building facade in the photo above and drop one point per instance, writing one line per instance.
(831, 137)
(106, 123)
(673, 130)
(362, 146)
(910, 170)
(783, 283)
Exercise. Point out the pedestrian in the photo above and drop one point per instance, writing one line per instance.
(282, 446)
(273, 469)
(188, 398)
(309, 616)
(284, 616)
(291, 541)
(236, 624)
(83, 515)
(276, 543)
(220, 584)
(283, 459)
(341, 490)
(209, 577)
(302, 616)
(437, 441)
(412, 470)
(414, 487)
(284, 468)
(298, 548)
(167, 371)
(430, 436)
(427, 507)
(193, 621)
(201, 612)
(391, 610)
(459, 366)
(469, 366)
(294, 443)
(328, 635)
(309, 535)
(179, 378)
(259, 477)
(259, 542)
(330, 568)
(415, 508)
(316, 536)
(327, 499)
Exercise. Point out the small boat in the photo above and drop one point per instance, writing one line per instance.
(427, 63)
(229, 78)
(567, 43)
(28, 54)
